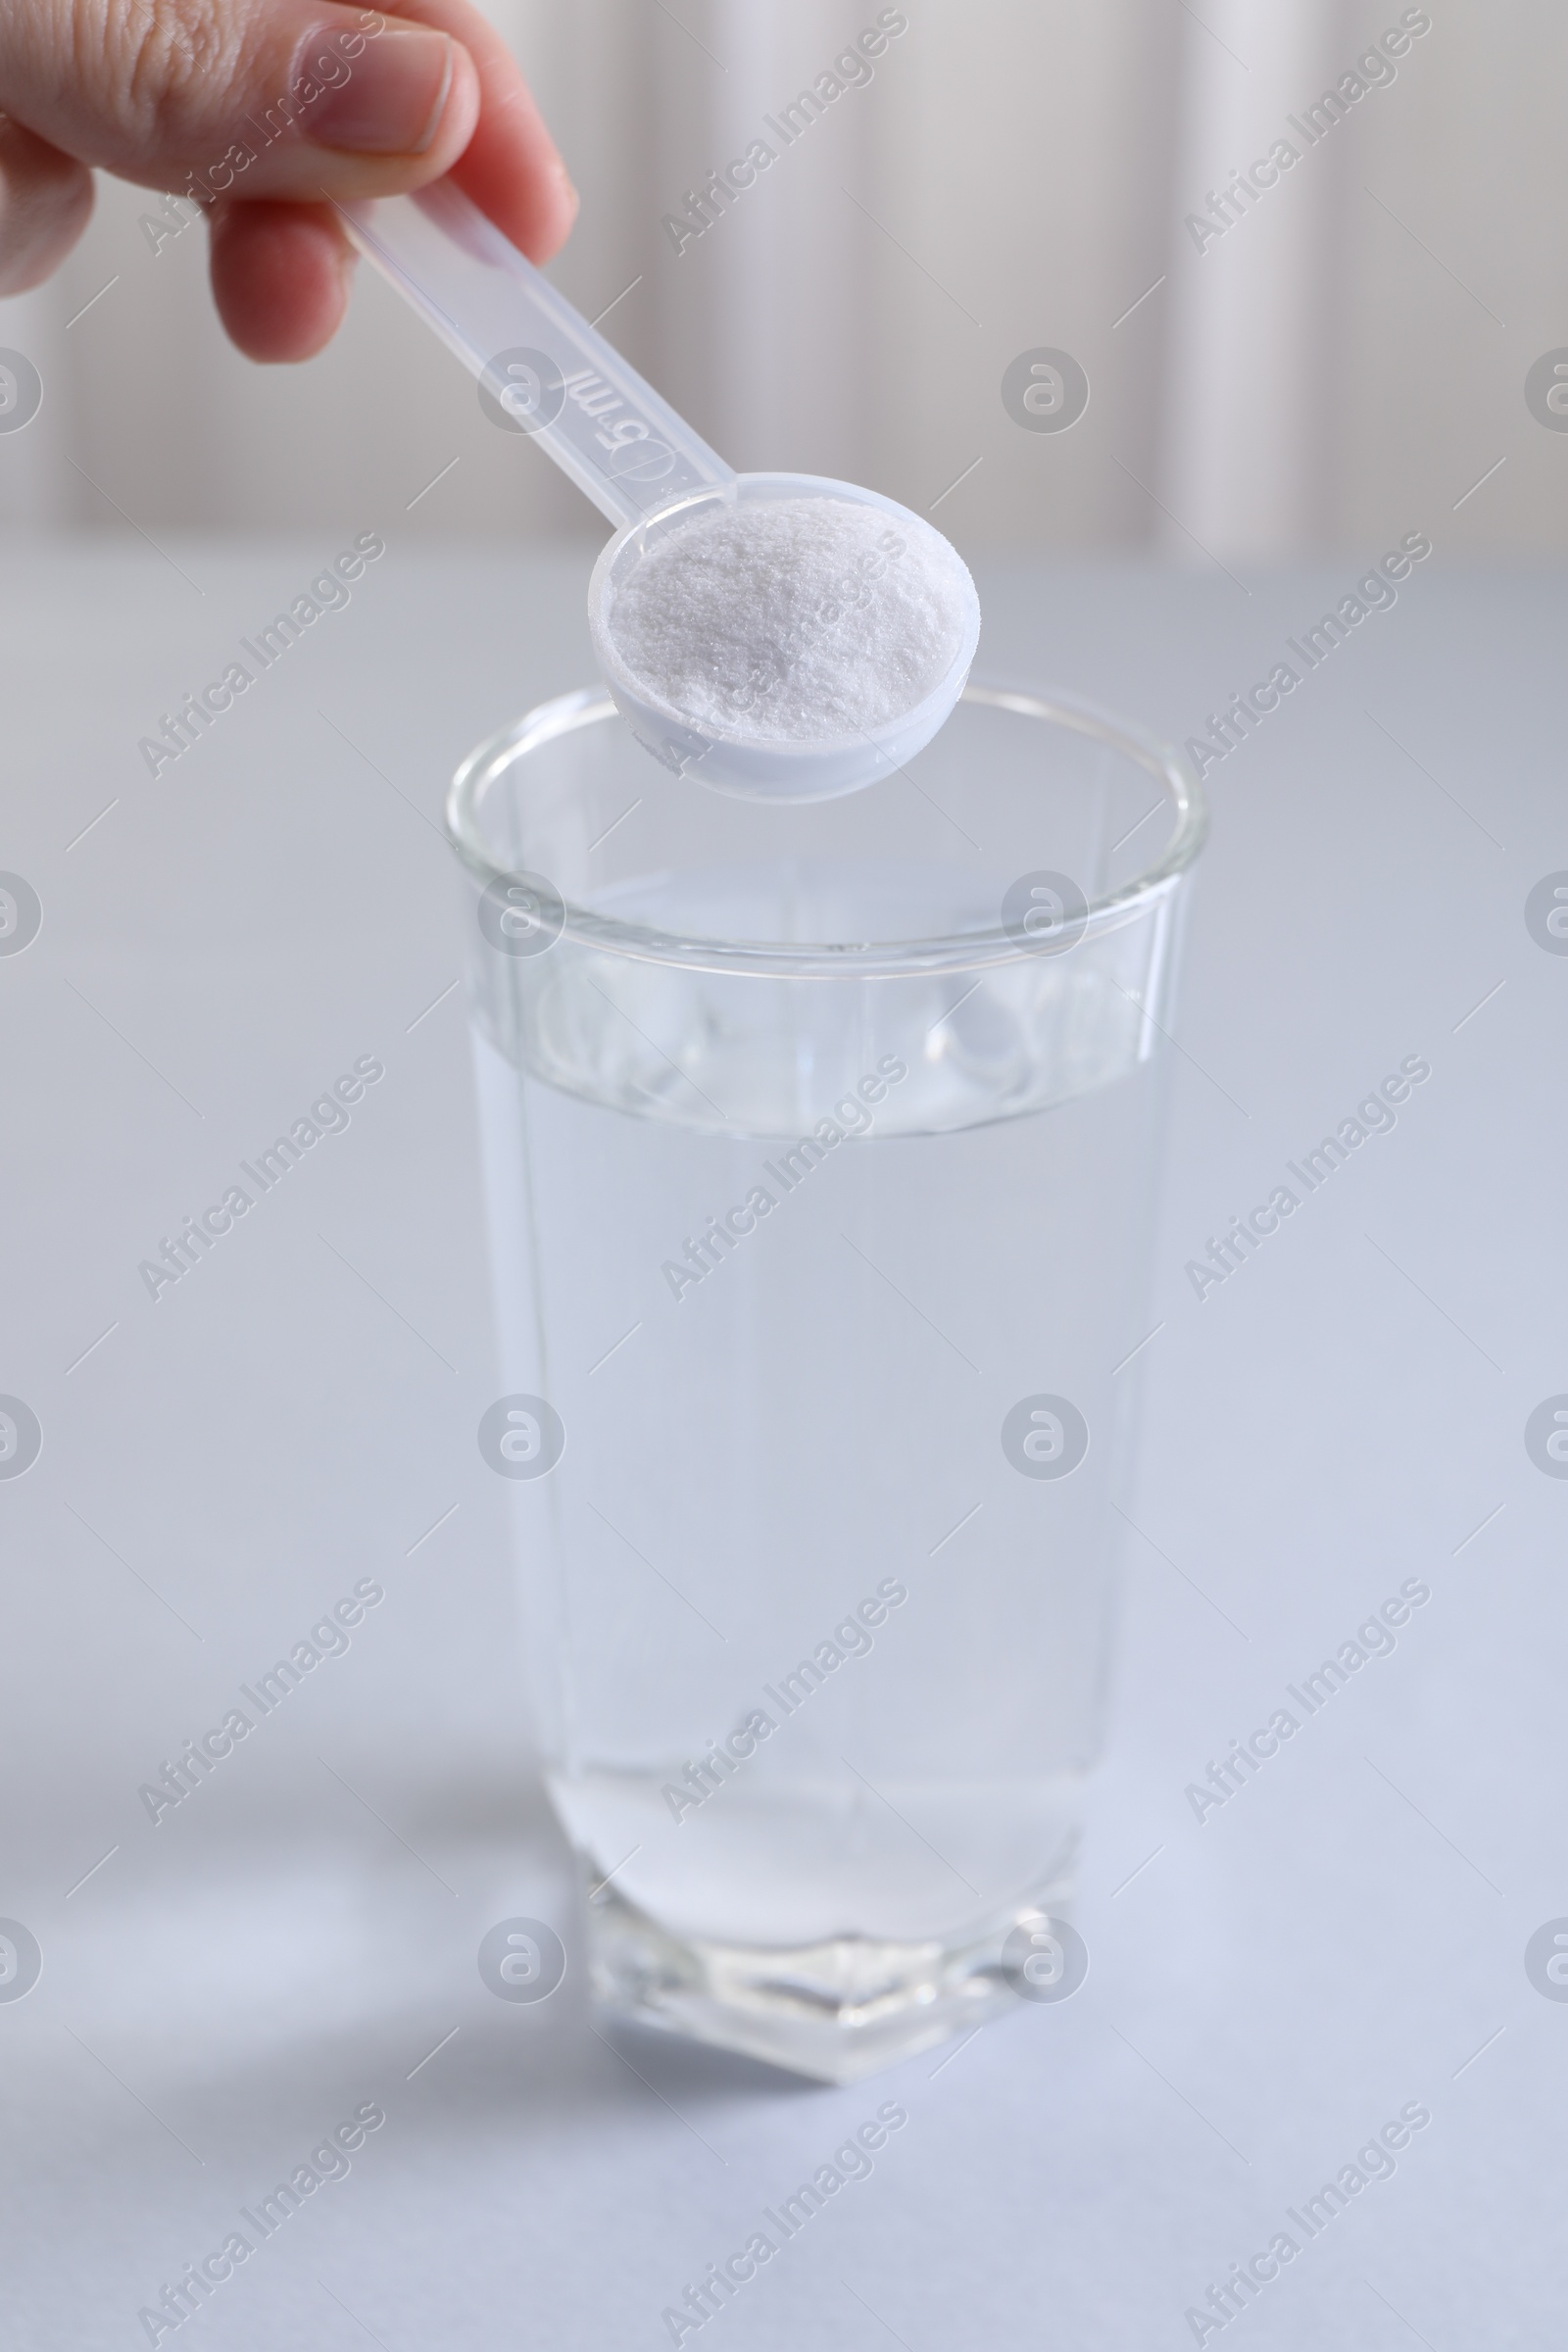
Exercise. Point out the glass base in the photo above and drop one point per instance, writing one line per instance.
(834, 2011)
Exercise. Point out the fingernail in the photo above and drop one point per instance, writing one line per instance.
(392, 100)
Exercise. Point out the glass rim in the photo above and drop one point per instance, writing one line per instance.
(584, 926)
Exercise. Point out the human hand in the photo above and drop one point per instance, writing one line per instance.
(262, 112)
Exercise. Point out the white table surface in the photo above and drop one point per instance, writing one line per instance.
(1268, 1990)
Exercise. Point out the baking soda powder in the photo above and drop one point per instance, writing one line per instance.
(801, 621)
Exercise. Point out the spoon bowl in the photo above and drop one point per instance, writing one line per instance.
(729, 759)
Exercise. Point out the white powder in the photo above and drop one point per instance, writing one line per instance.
(799, 621)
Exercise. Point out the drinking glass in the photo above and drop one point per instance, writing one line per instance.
(821, 1148)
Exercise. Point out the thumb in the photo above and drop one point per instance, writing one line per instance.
(275, 98)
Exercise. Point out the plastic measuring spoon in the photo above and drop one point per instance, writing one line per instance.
(551, 376)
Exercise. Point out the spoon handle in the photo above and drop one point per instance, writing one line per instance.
(545, 368)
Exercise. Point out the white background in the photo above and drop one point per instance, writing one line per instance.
(1015, 177)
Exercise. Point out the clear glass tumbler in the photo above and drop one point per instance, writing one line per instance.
(822, 1147)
